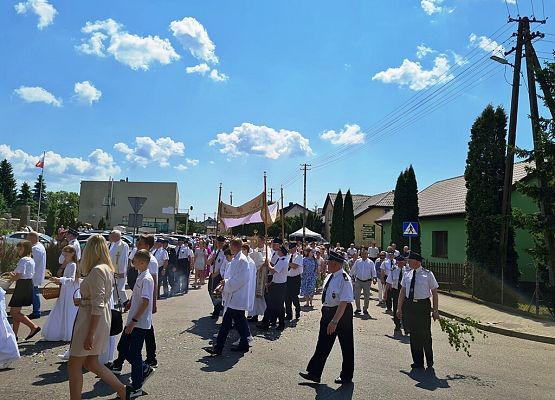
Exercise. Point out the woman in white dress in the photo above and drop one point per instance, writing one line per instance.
(200, 260)
(8, 343)
(59, 325)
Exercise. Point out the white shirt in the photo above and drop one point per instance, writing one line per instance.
(424, 283)
(119, 253)
(364, 270)
(351, 251)
(143, 289)
(339, 289)
(219, 260)
(152, 265)
(281, 266)
(237, 288)
(275, 257)
(252, 282)
(39, 257)
(161, 255)
(296, 259)
(183, 251)
(387, 265)
(373, 251)
(25, 267)
(259, 255)
(393, 277)
(76, 246)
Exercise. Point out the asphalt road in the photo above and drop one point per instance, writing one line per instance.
(500, 367)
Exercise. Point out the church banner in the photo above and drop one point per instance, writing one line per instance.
(249, 213)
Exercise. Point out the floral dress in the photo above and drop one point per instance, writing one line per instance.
(308, 277)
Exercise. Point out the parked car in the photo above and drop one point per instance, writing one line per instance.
(84, 236)
(16, 237)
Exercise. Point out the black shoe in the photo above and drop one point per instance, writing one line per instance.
(252, 319)
(147, 373)
(280, 327)
(298, 315)
(152, 363)
(131, 393)
(417, 366)
(365, 312)
(262, 327)
(341, 381)
(33, 316)
(240, 349)
(407, 332)
(214, 316)
(33, 333)
(357, 311)
(431, 365)
(116, 369)
(309, 377)
(288, 318)
(212, 351)
(397, 329)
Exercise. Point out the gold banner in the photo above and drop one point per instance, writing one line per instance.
(244, 210)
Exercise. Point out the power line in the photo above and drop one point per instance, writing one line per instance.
(533, 12)
(517, 8)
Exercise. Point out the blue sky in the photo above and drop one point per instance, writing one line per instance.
(220, 91)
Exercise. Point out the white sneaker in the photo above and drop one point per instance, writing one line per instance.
(250, 339)
(64, 356)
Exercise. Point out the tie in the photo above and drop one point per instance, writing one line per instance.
(326, 289)
(400, 278)
(412, 282)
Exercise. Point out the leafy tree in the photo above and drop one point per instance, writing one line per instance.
(51, 221)
(102, 224)
(8, 186)
(348, 220)
(336, 229)
(484, 175)
(399, 210)
(413, 211)
(66, 205)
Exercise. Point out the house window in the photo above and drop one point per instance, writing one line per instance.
(440, 244)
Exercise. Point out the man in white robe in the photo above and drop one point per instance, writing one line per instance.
(119, 253)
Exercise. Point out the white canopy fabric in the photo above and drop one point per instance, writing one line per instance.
(308, 234)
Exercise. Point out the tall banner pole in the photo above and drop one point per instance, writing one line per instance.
(265, 218)
(219, 206)
(282, 217)
(40, 189)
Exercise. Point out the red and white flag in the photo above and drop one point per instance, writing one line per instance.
(40, 163)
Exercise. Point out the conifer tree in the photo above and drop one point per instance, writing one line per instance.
(8, 186)
(348, 220)
(336, 229)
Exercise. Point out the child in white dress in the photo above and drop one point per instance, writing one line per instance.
(8, 343)
(59, 325)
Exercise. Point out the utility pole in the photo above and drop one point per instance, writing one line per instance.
(271, 195)
(304, 169)
(217, 218)
(231, 198)
(282, 217)
(524, 39)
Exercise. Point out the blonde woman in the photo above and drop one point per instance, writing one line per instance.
(59, 325)
(200, 260)
(91, 332)
(23, 293)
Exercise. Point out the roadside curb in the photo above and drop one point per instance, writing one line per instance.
(503, 331)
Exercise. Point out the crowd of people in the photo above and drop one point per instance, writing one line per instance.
(251, 283)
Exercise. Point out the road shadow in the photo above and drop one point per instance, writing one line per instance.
(364, 317)
(204, 327)
(29, 348)
(324, 392)
(399, 337)
(427, 379)
(58, 376)
(221, 363)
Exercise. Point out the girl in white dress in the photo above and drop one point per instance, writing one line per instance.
(59, 325)
(8, 343)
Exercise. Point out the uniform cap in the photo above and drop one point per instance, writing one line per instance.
(277, 241)
(72, 232)
(333, 256)
(415, 256)
(400, 258)
(292, 245)
(283, 249)
(220, 239)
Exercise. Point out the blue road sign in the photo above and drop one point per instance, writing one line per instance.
(410, 229)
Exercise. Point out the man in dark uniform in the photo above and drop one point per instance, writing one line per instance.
(394, 288)
(216, 260)
(417, 286)
(336, 321)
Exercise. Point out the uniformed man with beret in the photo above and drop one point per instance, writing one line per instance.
(277, 291)
(417, 286)
(336, 321)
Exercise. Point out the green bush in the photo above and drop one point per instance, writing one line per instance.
(8, 257)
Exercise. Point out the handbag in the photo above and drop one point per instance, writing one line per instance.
(116, 326)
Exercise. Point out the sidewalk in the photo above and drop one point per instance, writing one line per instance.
(496, 321)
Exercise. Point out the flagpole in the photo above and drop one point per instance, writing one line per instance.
(282, 218)
(40, 189)
(264, 219)
(219, 205)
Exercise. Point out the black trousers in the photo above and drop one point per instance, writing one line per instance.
(293, 290)
(150, 344)
(235, 318)
(420, 322)
(344, 332)
(132, 275)
(213, 282)
(389, 300)
(394, 293)
(275, 299)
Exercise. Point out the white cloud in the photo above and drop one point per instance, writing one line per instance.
(413, 75)
(203, 69)
(217, 76)
(191, 162)
(98, 165)
(487, 45)
(510, 1)
(211, 162)
(36, 94)
(145, 150)
(261, 141)
(431, 6)
(350, 134)
(45, 11)
(459, 60)
(85, 92)
(194, 38)
(181, 167)
(137, 52)
(423, 50)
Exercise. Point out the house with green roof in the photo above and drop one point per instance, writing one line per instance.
(442, 222)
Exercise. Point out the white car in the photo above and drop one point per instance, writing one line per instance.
(16, 237)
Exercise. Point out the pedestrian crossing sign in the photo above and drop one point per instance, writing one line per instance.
(410, 229)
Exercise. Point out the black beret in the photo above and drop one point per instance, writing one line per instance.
(159, 240)
(292, 245)
(333, 256)
(277, 241)
(415, 256)
(400, 258)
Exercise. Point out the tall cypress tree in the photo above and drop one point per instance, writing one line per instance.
(25, 196)
(348, 220)
(8, 186)
(484, 175)
(399, 210)
(336, 229)
(412, 211)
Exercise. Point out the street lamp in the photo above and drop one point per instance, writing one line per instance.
(501, 60)
(187, 221)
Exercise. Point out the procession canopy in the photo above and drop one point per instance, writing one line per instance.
(253, 211)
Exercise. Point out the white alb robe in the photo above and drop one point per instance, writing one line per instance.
(8, 343)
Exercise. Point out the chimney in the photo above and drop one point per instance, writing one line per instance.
(290, 204)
